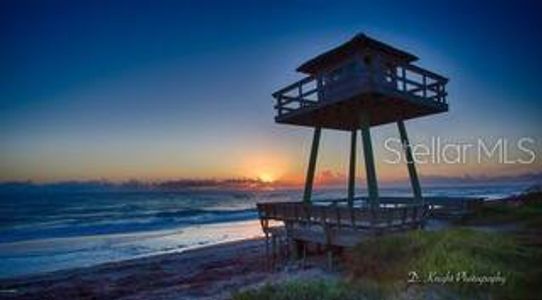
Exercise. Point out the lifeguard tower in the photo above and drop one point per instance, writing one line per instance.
(360, 84)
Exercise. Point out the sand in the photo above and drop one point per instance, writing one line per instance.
(212, 272)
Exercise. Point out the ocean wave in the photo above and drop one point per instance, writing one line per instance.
(127, 224)
(51, 215)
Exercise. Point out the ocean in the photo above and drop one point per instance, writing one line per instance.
(43, 231)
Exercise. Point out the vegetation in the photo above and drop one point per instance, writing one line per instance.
(443, 264)
(524, 209)
(313, 290)
(454, 258)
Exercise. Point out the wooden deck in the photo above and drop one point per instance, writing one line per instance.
(334, 224)
(339, 225)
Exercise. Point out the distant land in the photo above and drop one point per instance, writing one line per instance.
(243, 183)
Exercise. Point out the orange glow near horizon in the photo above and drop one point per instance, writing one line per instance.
(268, 162)
(267, 167)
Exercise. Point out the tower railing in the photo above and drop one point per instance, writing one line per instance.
(419, 82)
(298, 95)
(406, 79)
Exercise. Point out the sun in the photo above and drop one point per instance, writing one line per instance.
(266, 177)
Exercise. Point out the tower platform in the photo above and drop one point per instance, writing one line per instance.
(412, 93)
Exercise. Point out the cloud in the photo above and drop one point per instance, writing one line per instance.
(330, 177)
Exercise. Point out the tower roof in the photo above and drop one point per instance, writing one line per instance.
(357, 43)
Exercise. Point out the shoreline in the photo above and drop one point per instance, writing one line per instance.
(209, 272)
(35, 257)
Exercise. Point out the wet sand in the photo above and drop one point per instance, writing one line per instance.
(212, 272)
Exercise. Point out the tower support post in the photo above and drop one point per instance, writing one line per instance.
(312, 165)
(352, 169)
(414, 181)
(372, 185)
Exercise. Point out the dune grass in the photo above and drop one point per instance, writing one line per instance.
(524, 209)
(454, 250)
(313, 290)
(457, 259)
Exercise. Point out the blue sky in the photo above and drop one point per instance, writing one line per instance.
(168, 89)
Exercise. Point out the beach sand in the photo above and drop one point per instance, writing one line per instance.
(212, 272)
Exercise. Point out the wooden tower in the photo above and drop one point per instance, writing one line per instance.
(357, 85)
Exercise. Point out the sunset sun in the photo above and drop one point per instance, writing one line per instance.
(266, 177)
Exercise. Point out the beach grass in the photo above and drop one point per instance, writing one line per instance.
(315, 290)
(461, 261)
(524, 209)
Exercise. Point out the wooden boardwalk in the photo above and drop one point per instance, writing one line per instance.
(340, 225)
(335, 224)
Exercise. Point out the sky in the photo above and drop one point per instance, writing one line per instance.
(155, 90)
